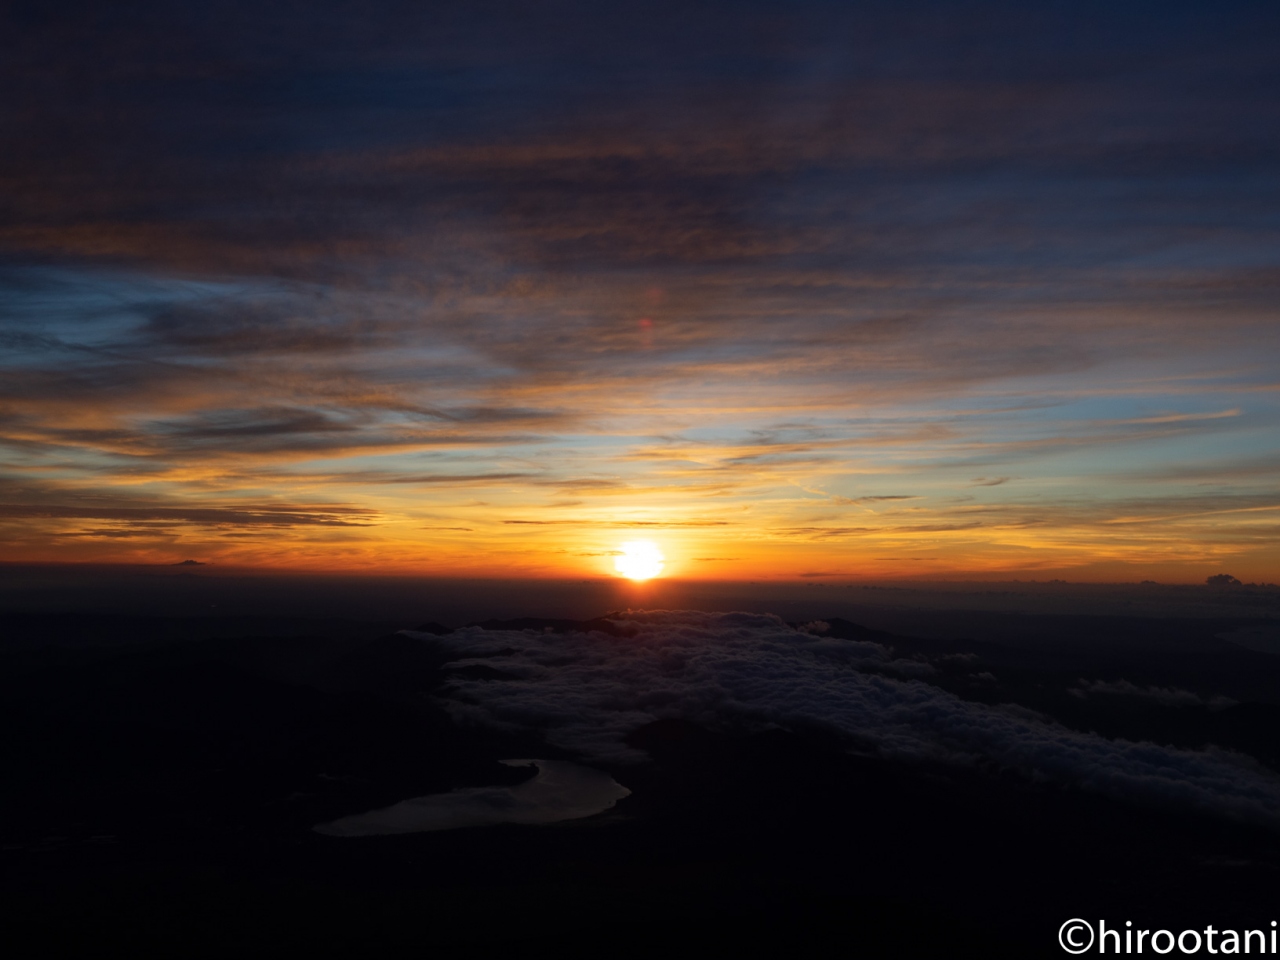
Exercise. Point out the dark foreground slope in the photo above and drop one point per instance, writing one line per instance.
(162, 780)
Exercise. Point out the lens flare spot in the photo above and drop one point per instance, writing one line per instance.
(639, 560)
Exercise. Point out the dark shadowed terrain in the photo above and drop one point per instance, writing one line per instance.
(164, 774)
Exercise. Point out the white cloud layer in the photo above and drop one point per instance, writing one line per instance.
(585, 692)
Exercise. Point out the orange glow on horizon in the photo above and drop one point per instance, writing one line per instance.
(541, 552)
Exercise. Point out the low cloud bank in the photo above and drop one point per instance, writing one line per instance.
(1164, 696)
(586, 691)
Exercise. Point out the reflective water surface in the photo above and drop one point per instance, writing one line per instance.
(560, 791)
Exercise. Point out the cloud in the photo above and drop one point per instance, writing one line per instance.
(856, 500)
(253, 515)
(826, 533)
(620, 523)
(586, 691)
(1164, 696)
(425, 479)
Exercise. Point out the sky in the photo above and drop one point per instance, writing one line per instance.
(811, 290)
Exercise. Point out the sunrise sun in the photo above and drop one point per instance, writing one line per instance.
(639, 560)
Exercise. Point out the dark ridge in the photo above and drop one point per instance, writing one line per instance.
(552, 625)
(843, 629)
(36, 630)
(393, 665)
(433, 628)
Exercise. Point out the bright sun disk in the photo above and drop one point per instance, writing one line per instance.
(639, 560)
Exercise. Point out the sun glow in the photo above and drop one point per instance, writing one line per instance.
(639, 560)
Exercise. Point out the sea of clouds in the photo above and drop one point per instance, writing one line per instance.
(585, 692)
